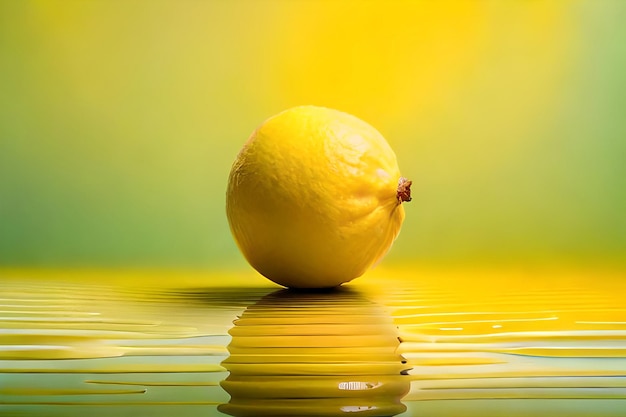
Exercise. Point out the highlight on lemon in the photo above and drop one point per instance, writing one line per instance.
(315, 197)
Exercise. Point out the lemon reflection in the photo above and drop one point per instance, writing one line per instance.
(322, 354)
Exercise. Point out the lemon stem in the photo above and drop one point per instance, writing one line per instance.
(404, 189)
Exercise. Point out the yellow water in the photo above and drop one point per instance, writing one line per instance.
(399, 342)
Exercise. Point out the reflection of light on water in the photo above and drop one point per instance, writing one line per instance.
(536, 345)
(358, 386)
(314, 354)
(356, 408)
(510, 338)
(91, 348)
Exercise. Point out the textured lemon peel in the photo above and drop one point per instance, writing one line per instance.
(314, 199)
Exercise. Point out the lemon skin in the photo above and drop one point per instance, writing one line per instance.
(315, 197)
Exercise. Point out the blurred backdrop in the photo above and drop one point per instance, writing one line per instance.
(119, 122)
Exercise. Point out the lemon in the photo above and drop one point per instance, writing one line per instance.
(315, 197)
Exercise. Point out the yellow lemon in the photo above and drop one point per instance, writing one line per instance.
(315, 197)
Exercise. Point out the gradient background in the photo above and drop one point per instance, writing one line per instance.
(119, 121)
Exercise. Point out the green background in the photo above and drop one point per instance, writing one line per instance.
(119, 122)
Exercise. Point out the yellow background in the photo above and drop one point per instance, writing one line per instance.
(119, 121)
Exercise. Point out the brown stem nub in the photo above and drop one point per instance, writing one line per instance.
(404, 190)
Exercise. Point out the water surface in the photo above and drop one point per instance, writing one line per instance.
(402, 343)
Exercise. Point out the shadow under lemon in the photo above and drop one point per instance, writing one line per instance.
(315, 354)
